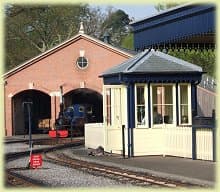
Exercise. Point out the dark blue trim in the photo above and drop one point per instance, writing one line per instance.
(149, 106)
(177, 105)
(194, 156)
(131, 117)
(194, 99)
(128, 114)
(194, 113)
(164, 17)
(214, 136)
(174, 25)
(178, 77)
(214, 143)
(131, 105)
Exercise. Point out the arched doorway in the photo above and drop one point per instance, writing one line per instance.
(86, 96)
(40, 110)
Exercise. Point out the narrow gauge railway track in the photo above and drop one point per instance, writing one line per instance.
(17, 180)
(13, 179)
(24, 140)
(60, 145)
(41, 141)
(122, 175)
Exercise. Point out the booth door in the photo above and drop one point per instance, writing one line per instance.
(115, 115)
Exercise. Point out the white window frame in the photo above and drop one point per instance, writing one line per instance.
(189, 104)
(120, 117)
(146, 124)
(173, 101)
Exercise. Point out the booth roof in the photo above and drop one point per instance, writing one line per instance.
(151, 61)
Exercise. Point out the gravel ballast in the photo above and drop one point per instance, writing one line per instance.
(60, 176)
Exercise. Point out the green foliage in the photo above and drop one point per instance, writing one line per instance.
(116, 24)
(31, 30)
(128, 41)
(204, 58)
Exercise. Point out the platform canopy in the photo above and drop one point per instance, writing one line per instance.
(185, 26)
(153, 66)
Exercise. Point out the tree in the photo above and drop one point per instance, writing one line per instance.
(31, 30)
(128, 41)
(116, 24)
(205, 58)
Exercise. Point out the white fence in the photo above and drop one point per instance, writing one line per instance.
(174, 141)
(204, 144)
(179, 142)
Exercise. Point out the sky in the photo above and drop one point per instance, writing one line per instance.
(138, 11)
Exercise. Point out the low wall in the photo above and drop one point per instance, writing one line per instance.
(94, 135)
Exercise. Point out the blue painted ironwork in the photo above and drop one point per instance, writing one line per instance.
(117, 79)
(194, 98)
(131, 118)
(174, 25)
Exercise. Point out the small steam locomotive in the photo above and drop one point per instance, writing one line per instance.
(71, 120)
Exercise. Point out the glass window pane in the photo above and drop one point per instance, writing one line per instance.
(108, 106)
(140, 104)
(141, 115)
(183, 94)
(162, 104)
(82, 62)
(157, 115)
(168, 116)
(157, 94)
(140, 95)
(168, 94)
(184, 114)
(184, 104)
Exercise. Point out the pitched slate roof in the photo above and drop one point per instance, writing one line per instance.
(150, 61)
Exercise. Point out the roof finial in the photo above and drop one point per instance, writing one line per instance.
(81, 29)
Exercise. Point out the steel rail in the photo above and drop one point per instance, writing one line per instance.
(123, 175)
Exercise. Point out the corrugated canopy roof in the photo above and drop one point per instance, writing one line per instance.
(150, 61)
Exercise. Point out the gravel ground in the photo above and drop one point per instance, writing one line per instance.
(60, 176)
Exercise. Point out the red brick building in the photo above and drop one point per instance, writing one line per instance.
(75, 65)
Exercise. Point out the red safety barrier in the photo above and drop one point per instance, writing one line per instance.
(60, 133)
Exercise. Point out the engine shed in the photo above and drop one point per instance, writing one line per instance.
(74, 66)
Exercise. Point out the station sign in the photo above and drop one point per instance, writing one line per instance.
(35, 161)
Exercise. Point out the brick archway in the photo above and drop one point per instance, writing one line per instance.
(86, 96)
(41, 109)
